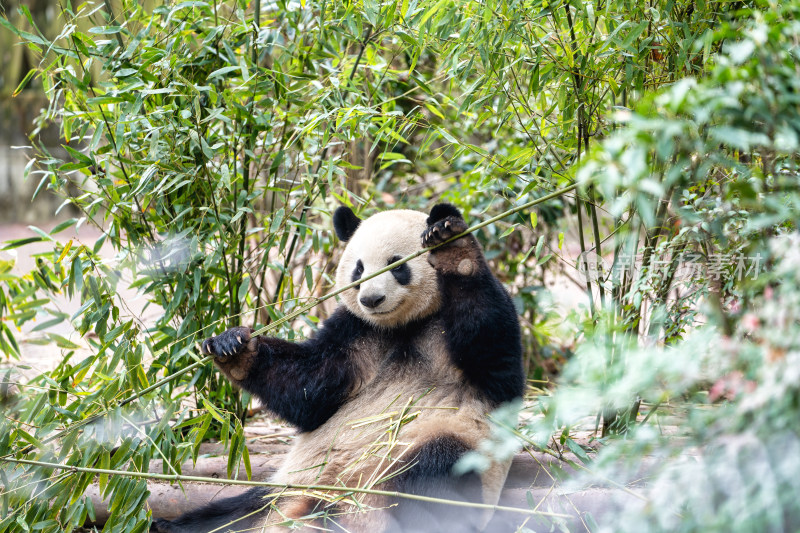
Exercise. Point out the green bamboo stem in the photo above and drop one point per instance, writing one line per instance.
(597, 241)
(579, 206)
(332, 488)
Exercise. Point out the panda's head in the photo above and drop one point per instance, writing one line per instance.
(398, 296)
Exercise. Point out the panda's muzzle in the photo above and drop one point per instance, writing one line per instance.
(372, 301)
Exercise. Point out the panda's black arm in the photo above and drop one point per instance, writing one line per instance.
(481, 324)
(483, 334)
(304, 383)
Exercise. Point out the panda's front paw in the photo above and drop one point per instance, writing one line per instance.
(443, 230)
(461, 257)
(226, 346)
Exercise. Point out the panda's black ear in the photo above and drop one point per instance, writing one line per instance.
(441, 211)
(345, 222)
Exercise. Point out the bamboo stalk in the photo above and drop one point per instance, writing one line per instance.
(578, 207)
(597, 241)
(330, 488)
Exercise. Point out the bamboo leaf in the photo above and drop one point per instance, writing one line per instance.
(24, 82)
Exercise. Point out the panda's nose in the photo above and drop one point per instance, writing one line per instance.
(372, 301)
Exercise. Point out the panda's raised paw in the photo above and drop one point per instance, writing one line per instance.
(226, 346)
(443, 230)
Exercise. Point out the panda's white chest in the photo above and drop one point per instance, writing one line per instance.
(409, 362)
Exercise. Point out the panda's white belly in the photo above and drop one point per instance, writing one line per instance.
(378, 430)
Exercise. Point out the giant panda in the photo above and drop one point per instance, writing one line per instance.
(389, 393)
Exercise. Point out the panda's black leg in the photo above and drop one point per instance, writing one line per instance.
(432, 475)
(238, 513)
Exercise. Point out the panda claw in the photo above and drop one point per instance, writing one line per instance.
(239, 339)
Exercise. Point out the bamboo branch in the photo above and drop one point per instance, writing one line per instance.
(578, 207)
(596, 235)
(283, 486)
(122, 403)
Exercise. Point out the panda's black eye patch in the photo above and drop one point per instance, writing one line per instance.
(401, 273)
(358, 271)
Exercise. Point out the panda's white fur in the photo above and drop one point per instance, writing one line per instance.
(388, 369)
(377, 240)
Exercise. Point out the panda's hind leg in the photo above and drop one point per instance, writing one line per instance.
(432, 475)
(238, 513)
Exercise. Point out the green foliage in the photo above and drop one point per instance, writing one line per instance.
(722, 152)
(209, 141)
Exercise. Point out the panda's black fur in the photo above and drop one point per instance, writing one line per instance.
(461, 347)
